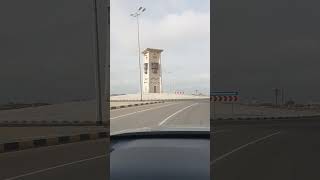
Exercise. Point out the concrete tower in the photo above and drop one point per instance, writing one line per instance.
(152, 76)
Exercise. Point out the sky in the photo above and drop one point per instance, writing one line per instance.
(261, 45)
(180, 27)
(47, 53)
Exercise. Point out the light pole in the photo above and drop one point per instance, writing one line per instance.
(282, 96)
(276, 94)
(171, 83)
(136, 15)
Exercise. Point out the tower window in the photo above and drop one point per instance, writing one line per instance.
(146, 68)
(154, 67)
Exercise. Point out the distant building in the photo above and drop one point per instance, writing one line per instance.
(152, 76)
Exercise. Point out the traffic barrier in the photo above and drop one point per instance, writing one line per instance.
(51, 141)
(23, 144)
(40, 142)
(136, 104)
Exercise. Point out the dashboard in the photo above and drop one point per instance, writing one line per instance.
(170, 156)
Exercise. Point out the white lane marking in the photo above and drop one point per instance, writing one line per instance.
(243, 146)
(130, 130)
(133, 106)
(141, 111)
(55, 167)
(166, 119)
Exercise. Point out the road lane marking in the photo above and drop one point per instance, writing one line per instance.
(124, 115)
(130, 130)
(133, 106)
(55, 167)
(243, 146)
(166, 119)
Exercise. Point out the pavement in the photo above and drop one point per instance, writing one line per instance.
(125, 104)
(69, 112)
(11, 134)
(147, 116)
(88, 159)
(277, 151)
(272, 150)
(156, 96)
(83, 112)
(164, 115)
(225, 110)
(81, 161)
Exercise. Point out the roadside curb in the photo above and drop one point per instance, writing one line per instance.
(257, 120)
(186, 99)
(136, 104)
(28, 143)
(54, 123)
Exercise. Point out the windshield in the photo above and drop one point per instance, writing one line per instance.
(160, 66)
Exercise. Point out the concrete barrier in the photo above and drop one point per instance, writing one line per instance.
(26, 144)
(52, 141)
(22, 144)
(135, 104)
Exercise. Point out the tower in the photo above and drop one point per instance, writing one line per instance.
(152, 76)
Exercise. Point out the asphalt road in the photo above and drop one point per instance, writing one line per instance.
(80, 161)
(170, 114)
(88, 160)
(285, 151)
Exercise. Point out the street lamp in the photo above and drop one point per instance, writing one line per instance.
(171, 83)
(136, 15)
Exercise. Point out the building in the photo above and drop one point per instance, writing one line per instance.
(152, 76)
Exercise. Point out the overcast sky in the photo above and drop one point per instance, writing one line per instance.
(46, 50)
(46, 47)
(180, 27)
(260, 45)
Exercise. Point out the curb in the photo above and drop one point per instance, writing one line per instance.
(268, 118)
(257, 120)
(24, 123)
(187, 99)
(36, 142)
(131, 105)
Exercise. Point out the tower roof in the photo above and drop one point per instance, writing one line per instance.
(151, 50)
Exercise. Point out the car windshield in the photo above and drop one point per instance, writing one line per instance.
(159, 67)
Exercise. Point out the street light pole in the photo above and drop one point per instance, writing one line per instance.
(136, 15)
(276, 94)
(171, 83)
(139, 58)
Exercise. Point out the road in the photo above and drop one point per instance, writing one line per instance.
(81, 161)
(170, 114)
(235, 110)
(88, 160)
(285, 151)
